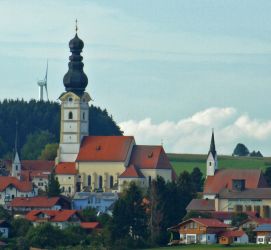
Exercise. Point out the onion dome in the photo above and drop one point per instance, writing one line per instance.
(75, 79)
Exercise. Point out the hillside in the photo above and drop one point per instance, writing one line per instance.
(182, 162)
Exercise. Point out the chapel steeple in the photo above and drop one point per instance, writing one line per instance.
(75, 80)
(212, 164)
(16, 164)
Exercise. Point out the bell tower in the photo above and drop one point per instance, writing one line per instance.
(74, 105)
(211, 164)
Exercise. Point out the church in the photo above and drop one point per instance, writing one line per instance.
(99, 163)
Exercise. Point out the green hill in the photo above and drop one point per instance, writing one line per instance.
(181, 162)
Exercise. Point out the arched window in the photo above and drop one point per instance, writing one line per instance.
(89, 180)
(111, 181)
(70, 115)
(16, 167)
(100, 182)
(83, 115)
(69, 189)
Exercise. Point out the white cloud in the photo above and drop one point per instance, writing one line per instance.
(192, 134)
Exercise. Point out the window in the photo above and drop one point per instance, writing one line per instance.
(70, 99)
(210, 163)
(69, 177)
(16, 167)
(100, 182)
(111, 181)
(83, 115)
(149, 180)
(70, 115)
(69, 189)
(89, 180)
(208, 237)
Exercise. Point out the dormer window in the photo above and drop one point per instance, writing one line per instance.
(70, 115)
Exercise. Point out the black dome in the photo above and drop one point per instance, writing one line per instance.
(75, 79)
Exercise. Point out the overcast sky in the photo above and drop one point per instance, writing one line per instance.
(166, 70)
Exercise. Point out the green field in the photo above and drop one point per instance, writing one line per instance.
(181, 162)
(216, 247)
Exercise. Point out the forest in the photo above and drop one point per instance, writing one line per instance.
(38, 122)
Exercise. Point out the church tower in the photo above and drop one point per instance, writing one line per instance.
(16, 164)
(74, 105)
(211, 164)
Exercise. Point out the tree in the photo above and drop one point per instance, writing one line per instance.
(89, 214)
(4, 214)
(256, 154)
(49, 152)
(237, 218)
(19, 227)
(196, 214)
(267, 175)
(197, 179)
(240, 150)
(53, 188)
(35, 143)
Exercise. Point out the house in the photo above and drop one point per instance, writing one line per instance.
(4, 229)
(263, 234)
(201, 205)
(104, 163)
(24, 205)
(233, 236)
(90, 226)
(101, 201)
(11, 187)
(253, 222)
(59, 218)
(199, 230)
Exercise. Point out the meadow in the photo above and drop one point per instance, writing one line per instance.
(181, 162)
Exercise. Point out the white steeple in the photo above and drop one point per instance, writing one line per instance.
(211, 163)
(16, 164)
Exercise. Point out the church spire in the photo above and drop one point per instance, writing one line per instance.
(75, 80)
(212, 145)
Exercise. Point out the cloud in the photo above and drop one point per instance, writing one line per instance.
(192, 134)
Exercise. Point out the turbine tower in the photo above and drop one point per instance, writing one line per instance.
(43, 83)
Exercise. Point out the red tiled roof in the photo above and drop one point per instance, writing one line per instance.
(201, 205)
(223, 179)
(222, 215)
(38, 201)
(131, 172)
(54, 215)
(232, 233)
(66, 168)
(105, 148)
(23, 186)
(28, 175)
(149, 157)
(90, 225)
(40, 165)
(210, 222)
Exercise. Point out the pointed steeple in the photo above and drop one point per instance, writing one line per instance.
(16, 164)
(212, 145)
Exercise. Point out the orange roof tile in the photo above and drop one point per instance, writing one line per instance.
(37, 165)
(210, 222)
(54, 215)
(149, 157)
(66, 168)
(223, 179)
(232, 233)
(90, 225)
(105, 148)
(38, 201)
(23, 186)
(131, 172)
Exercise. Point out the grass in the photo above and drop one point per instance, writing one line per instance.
(215, 247)
(181, 162)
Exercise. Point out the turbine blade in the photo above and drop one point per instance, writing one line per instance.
(46, 91)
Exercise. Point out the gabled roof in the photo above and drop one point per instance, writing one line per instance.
(66, 168)
(223, 179)
(132, 172)
(53, 215)
(232, 233)
(263, 228)
(105, 148)
(90, 225)
(201, 205)
(254, 193)
(40, 165)
(149, 157)
(38, 201)
(23, 186)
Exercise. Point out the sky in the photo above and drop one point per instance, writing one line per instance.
(167, 71)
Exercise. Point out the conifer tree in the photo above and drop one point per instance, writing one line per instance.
(53, 186)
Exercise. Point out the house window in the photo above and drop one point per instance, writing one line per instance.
(208, 237)
(69, 189)
(111, 181)
(83, 115)
(70, 115)
(89, 180)
(100, 182)
(149, 180)
(70, 99)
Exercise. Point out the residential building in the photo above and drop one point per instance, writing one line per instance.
(24, 205)
(263, 234)
(199, 230)
(101, 201)
(233, 236)
(59, 218)
(4, 229)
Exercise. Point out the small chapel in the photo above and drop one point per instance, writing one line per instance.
(98, 163)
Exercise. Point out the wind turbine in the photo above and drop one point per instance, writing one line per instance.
(43, 83)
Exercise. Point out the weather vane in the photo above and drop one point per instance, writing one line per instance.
(76, 26)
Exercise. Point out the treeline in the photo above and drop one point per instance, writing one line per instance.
(38, 117)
